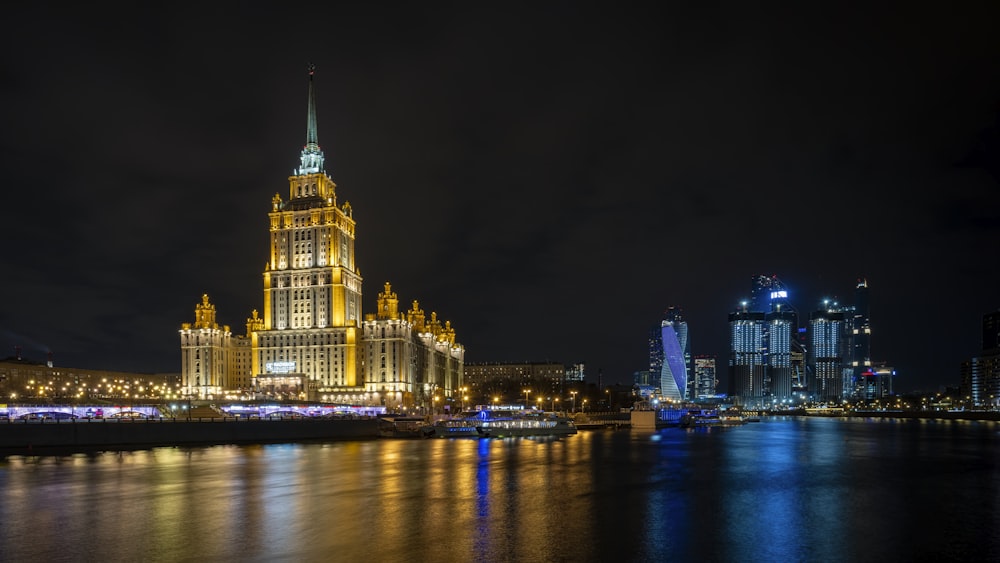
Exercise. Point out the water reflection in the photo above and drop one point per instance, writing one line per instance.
(784, 489)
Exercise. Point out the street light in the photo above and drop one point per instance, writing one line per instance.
(573, 394)
(526, 391)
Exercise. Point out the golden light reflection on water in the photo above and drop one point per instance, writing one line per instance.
(444, 500)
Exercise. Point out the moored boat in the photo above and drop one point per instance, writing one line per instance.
(702, 420)
(401, 426)
(491, 424)
(452, 428)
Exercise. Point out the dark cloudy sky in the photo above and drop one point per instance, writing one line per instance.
(547, 176)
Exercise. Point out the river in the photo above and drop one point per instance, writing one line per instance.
(784, 489)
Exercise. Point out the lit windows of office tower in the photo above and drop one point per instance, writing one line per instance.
(826, 331)
(863, 382)
(673, 356)
(781, 328)
(655, 355)
(704, 377)
(747, 348)
(783, 352)
(980, 376)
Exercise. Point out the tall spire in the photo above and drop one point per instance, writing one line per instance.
(311, 160)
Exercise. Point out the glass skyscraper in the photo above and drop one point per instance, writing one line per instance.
(765, 355)
(670, 355)
(747, 367)
(826, 331)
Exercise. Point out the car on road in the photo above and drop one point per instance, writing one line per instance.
(48, 415)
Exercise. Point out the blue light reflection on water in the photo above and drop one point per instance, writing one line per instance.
(786, 489)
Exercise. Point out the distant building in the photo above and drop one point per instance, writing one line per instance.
(980, 375)
(507, 380)
(705, 380)
(643, 377)
(860, 345)
(22, 379)
(576, 372)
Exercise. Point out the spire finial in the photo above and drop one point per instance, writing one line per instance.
(311, 159)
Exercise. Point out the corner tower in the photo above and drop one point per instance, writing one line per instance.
(312, 287)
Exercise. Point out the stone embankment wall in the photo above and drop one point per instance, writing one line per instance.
(28, 436)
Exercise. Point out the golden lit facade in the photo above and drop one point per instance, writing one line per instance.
(205, 350)
(310, 342)
(408, 359)
(312, 287)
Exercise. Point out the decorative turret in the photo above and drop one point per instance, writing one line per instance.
(204, 314)
(388, 304)
(415, 316)
(254, 323)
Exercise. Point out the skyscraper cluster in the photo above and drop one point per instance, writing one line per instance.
(773, 360)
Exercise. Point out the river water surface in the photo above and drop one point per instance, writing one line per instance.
(783, 489)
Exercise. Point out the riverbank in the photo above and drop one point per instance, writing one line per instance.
(35, 437)
(946, 415)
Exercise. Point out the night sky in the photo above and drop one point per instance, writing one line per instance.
(547, 176)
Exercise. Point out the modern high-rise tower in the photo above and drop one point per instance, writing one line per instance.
(670, 355)
(764, 346)
(747, 358)
(826, 349)
(860, 343)
(781, 328)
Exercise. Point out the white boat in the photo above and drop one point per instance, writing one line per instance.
(503, 424)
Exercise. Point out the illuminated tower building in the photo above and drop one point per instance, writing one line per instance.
(312, 288)
(780, 350)
(747, 362)
(781, 328)
(671, 355)
(980, 376)
(861, 378)
(826, 331)
(655, 345)
(310, 343)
